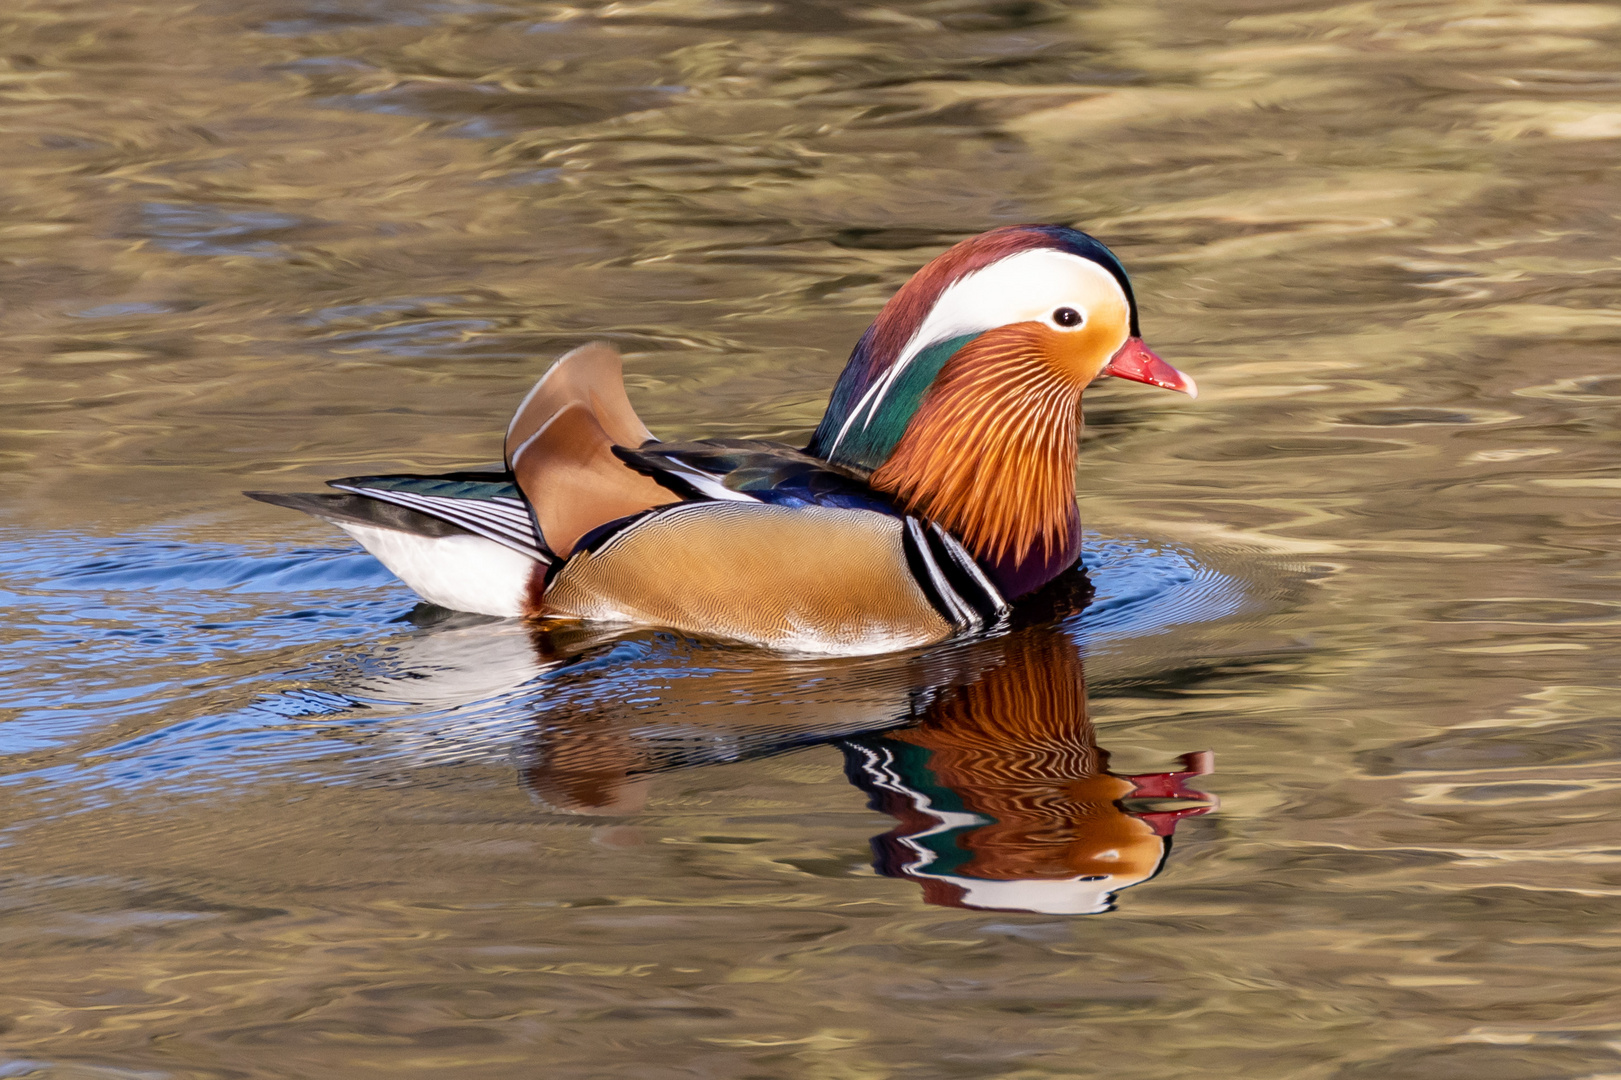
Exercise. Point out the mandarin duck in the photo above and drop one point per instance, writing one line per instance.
(938, 487)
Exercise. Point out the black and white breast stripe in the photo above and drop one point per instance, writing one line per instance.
(504, 520)
(951, 579)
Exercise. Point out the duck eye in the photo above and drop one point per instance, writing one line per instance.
(1067, 316)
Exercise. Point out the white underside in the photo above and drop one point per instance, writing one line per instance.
(464, 573)
(1066, 896)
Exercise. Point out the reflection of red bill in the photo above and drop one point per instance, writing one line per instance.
(1134, 361)
(1153, 788)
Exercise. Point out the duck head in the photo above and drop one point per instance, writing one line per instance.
(962, 399)
(1003, 797)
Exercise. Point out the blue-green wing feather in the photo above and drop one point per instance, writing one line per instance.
(867, 442)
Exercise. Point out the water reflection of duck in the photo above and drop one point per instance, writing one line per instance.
(939, 485)
(1003, 797)
(982, 750)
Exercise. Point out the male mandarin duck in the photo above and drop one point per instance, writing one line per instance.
(939, 485)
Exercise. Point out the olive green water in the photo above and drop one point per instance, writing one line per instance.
(253, 825)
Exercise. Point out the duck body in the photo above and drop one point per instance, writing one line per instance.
(938, 488)
(750, 541)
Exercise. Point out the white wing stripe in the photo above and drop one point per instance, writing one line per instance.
(466, 514)
(504, 520)
(707, 483)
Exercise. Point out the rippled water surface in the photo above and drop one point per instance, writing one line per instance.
(1343, 804)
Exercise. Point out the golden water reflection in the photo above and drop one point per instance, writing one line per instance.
(1004, 799)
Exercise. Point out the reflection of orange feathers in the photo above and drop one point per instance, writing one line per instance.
(1018, 748)
(589, 767)
(990, 454)
(1025, 717)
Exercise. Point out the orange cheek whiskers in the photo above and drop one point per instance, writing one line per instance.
(991, 452)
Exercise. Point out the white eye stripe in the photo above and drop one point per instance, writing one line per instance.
(1025, 287)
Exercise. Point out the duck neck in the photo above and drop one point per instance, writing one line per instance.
(990, 456)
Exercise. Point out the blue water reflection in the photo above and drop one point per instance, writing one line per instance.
(312, 664)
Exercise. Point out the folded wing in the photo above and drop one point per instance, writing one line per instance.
(560, 449)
